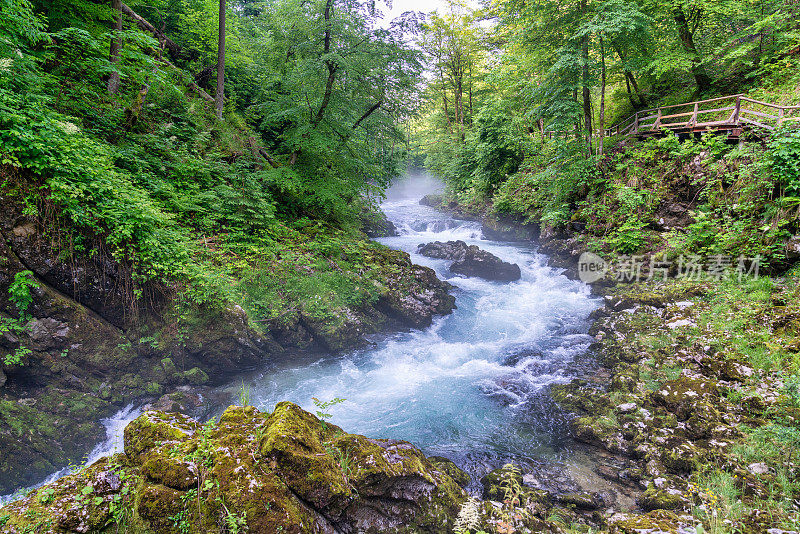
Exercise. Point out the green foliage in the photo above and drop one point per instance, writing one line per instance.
(244, 394)
(630, 237)
(19, 292)
(322, 406)
(548, 184)
(261, 207)
(784, 156)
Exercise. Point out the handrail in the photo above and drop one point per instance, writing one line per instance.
(734, 121)
(739, 118)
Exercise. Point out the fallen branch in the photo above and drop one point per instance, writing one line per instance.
(261, 151)
(190, 84)
(174, 49)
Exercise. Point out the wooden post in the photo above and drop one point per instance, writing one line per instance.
(657, 125)
(780, 117)
(693, 120)
(737, 110)
(636, 123)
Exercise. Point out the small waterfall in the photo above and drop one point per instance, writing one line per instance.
(115, 427)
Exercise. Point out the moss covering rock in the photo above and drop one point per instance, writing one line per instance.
(89, 338)
(692, 402)
(281, 472)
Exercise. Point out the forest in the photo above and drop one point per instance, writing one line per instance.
(202, 197)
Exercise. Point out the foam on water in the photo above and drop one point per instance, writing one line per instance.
(464, 387)
(469, 386)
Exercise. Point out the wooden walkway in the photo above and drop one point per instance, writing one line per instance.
(729, 115)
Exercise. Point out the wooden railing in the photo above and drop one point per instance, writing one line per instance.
(730, 114)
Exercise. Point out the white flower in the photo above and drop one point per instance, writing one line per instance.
(68, 127)
(468, 517)
(5, 64)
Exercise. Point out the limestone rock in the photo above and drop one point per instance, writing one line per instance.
(433, 200)
(280, 472)
(470, 260)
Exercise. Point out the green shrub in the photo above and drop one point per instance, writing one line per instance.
(784, 156)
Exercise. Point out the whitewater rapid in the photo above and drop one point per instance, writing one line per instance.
(473, 386)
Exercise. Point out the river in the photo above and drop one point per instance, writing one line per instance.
(473, 386)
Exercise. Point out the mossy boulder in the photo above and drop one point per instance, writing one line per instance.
(663, 497)
(658, 521)
(195, 376)
(449, 468)
(280, 472)
(682, 395)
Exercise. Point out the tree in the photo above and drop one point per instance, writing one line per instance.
(116, 45)
(219, 97)
(451, 42)
(686, 35)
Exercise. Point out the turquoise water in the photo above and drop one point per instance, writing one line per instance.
(471, 387)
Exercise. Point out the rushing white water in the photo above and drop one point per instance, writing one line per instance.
(115, 427)
(470, 387)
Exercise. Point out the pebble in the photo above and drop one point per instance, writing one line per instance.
(759, 468)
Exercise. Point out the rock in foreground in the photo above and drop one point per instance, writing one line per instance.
(251, 472)
(470, 260)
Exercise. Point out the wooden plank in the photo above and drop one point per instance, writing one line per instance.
(760, 125)
(728, 108)
(759, 114)
(760, 103)
(715, 123)
(687, 114)
(698, 102)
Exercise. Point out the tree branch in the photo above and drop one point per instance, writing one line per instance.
(174, 49)
(367, 113)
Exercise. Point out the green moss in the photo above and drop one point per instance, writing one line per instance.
(280, 472)
(195, 376)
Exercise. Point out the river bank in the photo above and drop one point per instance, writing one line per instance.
(496, 354)
(696, 398)
(84, 346)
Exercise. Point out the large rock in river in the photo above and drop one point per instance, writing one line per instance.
(470, 260)
(251, 472)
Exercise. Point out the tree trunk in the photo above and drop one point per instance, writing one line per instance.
(174, 49)
(687, 39)
(630, 81)
(219, 100)
(578, 122)
(642, 100)
(587, 97)
(602, 96)
(470, 92)
(444, 100)
(116, 45)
